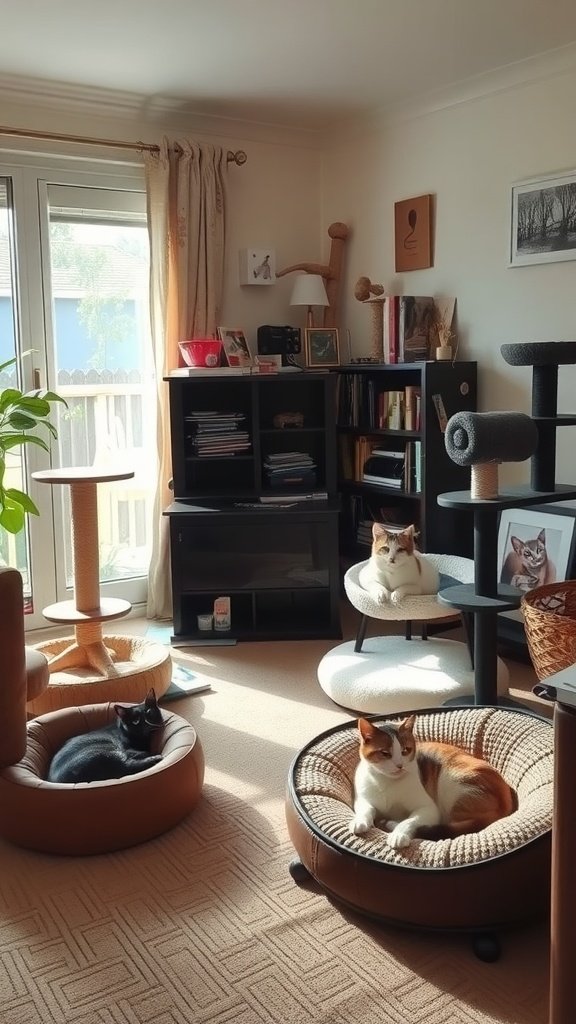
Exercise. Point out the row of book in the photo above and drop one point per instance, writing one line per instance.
(364, 403)
(409, 328)
(214, 434)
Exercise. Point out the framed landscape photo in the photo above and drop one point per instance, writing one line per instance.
(536, 546)
(235, 346)
(543, 220)
(322, 348)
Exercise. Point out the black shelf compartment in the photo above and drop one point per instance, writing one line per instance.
(218, 476)
(281, 395)
(202, 603)
(304, 612)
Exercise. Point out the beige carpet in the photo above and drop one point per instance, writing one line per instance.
(206, 925)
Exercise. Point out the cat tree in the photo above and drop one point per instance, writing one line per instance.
(482, 441)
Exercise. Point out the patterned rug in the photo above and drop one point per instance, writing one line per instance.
(205, 923)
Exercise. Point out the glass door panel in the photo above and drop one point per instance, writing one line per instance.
(102, 366)
(14, 549)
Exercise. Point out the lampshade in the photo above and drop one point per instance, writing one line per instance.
(309, 290)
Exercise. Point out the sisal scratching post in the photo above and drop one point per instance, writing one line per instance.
(122, 668)
(373, 296)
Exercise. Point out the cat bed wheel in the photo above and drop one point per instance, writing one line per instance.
(483, 881)
(139, 665)
(97, 817)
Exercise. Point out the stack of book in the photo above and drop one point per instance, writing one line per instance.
(218, 434)
(290, 469)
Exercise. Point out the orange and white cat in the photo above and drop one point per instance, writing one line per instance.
(396, 569)
(425, 789)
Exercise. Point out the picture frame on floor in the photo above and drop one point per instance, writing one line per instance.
(536, 546)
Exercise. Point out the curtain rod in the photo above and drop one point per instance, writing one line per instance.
(238, 157)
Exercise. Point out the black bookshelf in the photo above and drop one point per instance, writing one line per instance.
(232, 532)
(441, 531)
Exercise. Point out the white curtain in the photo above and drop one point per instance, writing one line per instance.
(186, 190)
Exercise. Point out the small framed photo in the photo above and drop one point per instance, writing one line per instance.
(322, 347)
(235, 346)
(536, 546)
(543, 220)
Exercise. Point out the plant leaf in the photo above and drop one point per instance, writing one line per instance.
(8, 441)
(23, 499)
(9, 396)
(12, 516)
(21, 422)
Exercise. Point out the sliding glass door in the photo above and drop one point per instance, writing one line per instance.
(74, 288)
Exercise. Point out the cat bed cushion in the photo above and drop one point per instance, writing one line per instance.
(414, 607)
(500, 875)
(97, 817)
(391, 674)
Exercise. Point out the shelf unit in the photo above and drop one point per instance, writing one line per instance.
(277, 562)
(440, 531)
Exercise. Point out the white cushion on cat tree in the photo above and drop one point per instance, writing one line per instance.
(391, 674)
(426, 606)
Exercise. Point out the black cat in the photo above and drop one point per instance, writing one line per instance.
(121, 748)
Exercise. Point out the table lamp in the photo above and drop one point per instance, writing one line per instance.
(309, 290)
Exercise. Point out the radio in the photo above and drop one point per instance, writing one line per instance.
(279, 341)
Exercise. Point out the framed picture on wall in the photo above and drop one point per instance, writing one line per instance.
(321, 347)
(413, 233)
(543, 221)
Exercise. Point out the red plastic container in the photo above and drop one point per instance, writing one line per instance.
(199, 352)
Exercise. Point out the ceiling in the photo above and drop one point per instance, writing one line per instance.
(299, 63)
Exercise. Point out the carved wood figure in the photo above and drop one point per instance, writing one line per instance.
(331, 272)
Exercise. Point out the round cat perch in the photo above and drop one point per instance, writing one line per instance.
(478, 882)
(87, 817)
(86, 668)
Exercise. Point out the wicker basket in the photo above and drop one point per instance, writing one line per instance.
(550, 623)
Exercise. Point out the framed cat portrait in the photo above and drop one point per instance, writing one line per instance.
(536, 546)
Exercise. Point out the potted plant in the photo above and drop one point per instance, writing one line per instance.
(23, 420)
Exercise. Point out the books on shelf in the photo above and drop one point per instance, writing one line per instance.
(365, 404)
(277, 499)
(408, 328)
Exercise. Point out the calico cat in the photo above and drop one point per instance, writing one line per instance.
(527, 565)
(121, 748)
(396, 568)
(429, 790)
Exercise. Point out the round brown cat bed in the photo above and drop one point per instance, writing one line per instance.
(499, 876)
(139, 665)
(97, 817)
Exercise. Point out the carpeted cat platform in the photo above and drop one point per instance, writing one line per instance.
(495, 877)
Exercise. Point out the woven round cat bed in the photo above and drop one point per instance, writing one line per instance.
(389, 674)
(139, 665)
(97, 817)
(476, 882)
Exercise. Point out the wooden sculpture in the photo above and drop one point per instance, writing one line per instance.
(373, 294)
(331, 272)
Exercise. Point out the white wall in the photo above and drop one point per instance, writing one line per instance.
(467, 155)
